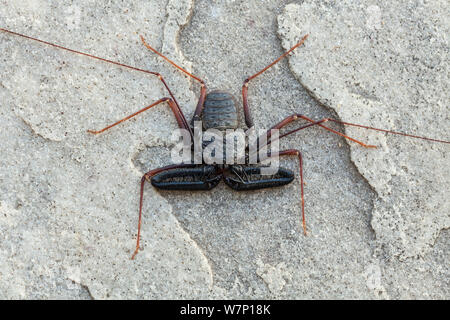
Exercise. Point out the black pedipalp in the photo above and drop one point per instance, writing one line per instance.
(203, 177)
(250, 178)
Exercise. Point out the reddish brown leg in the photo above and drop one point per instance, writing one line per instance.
(294, 152)
(176, 111)
(98, 58)
(201, 100)
(295, 117)
(248, 118)
(148, 176)
(387, 131)
(319, 123)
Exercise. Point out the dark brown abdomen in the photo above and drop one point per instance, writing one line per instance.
(219, 111)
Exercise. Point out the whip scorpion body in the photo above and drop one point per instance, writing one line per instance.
(218, 110)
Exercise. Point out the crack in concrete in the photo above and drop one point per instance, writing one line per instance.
(381, 194)
(179, 14)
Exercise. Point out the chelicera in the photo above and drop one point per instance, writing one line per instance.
(219, 110)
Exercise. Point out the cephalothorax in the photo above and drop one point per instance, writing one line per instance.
(218, 110)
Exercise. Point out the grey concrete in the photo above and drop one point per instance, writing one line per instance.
(69, 200)
(384, 66)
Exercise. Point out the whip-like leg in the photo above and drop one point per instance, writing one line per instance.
(148, 176)
(175, 109)
(294, 152)
(247, 115)
(101, 59)
(201, 100)
(319, 123)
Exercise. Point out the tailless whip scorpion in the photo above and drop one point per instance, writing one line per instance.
(218, 110)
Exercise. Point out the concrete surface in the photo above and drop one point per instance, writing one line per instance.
(69, 200)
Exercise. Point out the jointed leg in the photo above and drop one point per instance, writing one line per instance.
(387, 131)
(148, 176)
(182, 123)
(97, 58)
(294, 152)
(248, 118)
(295, 117)
(199, 108)
(319, 123)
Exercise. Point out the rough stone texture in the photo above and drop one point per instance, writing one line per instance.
(69, 200)
(385, 66)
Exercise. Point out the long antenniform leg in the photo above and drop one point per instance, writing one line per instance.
(295, 117)
(294, 152)
(248, 118)
(148, 177)
(319, 123)
(201, 100)
(292, 118)
(104, 60)
(182, 123)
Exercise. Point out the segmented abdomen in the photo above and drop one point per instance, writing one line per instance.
(219, 111)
